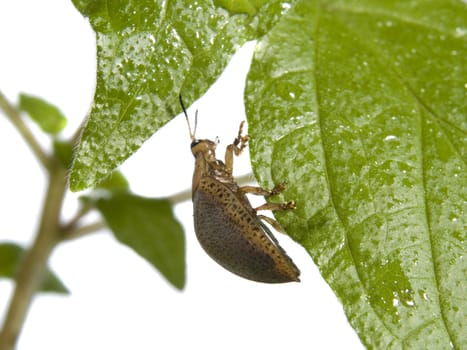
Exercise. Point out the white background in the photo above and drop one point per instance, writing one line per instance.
(119, 301)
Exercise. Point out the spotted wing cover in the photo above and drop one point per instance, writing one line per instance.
(235, 238)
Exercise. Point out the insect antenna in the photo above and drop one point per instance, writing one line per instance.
(192, 134)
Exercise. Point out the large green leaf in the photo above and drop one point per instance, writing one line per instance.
(361, 106)
(148, 52)
(10, 258)
(149, 227)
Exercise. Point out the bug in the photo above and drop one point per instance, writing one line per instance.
(226, 225)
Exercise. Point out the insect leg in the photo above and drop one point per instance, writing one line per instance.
(236, 147)
(259, 191)
(273, 223)
(277, 206)
(274, 207)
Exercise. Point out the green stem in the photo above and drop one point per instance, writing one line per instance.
(80, 231)
(14, 116)
(33, 268)
(50, 233)
(75, 221)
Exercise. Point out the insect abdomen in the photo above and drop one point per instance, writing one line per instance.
(234, 238)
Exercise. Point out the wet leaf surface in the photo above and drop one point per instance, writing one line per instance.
(362, 109)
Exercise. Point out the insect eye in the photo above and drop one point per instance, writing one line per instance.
(195, 143)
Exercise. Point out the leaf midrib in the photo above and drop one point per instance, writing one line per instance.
(399, 17)
(331, 188)
(423, 105)
(420, 102)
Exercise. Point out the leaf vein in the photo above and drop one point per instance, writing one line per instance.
(332, 197)
(398, 16)
(434, 256)
(417, 330)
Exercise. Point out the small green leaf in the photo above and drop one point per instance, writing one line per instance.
(47, 116)
(361, 107)
(148, 52)
(149, 227)
(11, 256)
(115, 182)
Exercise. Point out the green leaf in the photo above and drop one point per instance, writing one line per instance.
(10, 258)
(47, 116)
(148, 52)
(361, 107)
(115, 182)
(149, 227)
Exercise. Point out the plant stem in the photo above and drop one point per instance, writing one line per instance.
(14, 116)
(77, 232)
(33, 268)
(74, 222)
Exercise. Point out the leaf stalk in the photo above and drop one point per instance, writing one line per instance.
(15, 118)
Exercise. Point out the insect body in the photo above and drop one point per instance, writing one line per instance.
(227, 226)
